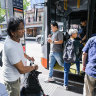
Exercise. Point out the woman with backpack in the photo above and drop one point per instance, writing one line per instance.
(71, 55)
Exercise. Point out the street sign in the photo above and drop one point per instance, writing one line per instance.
(10, 8)
(18, 12)
(18, 8)
(18, 4)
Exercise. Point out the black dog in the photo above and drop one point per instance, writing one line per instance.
(33, 87)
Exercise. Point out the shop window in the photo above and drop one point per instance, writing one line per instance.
(39, 18)
(28, 19)
(33, 18)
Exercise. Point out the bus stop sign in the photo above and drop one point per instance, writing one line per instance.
(18, 4)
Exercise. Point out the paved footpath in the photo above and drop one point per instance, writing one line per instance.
(53, 89)
(56, 89)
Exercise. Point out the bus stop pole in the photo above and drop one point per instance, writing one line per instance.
(48, 29)
(91, 6)
(6, 4)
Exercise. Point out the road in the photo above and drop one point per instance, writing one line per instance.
(33, 49)
(52, 89)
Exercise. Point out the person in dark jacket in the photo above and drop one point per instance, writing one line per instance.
(83, 23)
(76, 45)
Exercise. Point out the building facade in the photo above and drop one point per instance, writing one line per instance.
(34, 22)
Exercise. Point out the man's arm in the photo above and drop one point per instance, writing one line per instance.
(84, 57)
(84, 38)
(55, 42)
(58, 42)
(24, 69)
(29, 58)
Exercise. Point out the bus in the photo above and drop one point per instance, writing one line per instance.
(67, 13)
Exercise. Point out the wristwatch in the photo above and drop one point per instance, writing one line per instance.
(53, 42)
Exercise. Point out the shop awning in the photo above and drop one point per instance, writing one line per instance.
(32, 26)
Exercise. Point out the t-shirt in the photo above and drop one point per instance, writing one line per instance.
(12, 54)
(57, 36)
(90, 48)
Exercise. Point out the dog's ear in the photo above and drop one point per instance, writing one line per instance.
(37, 73)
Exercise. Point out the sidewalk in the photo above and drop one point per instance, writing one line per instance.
(53, 89)
(56, 89)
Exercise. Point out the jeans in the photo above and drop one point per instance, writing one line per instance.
(53, 57)
(78, 66)
(66, 71)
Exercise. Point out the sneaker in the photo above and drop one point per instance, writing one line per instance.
(65, 87)
(49, 80)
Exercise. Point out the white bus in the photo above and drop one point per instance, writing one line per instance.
(67, 13)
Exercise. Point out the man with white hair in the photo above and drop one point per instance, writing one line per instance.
(71, 55)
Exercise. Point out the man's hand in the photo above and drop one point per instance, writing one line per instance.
(84, 57)
(49, 40)
(80, 41)
(83, 69)
(31, 59)
(50, 35)
(35, 67)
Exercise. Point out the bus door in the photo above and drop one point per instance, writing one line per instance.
(69, 13)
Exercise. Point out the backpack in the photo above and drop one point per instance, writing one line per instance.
(69, 52)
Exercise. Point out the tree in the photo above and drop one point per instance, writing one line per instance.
(25, 4)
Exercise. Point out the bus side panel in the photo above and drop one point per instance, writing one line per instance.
(44, 56)
(44, 59)
(44, 62)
